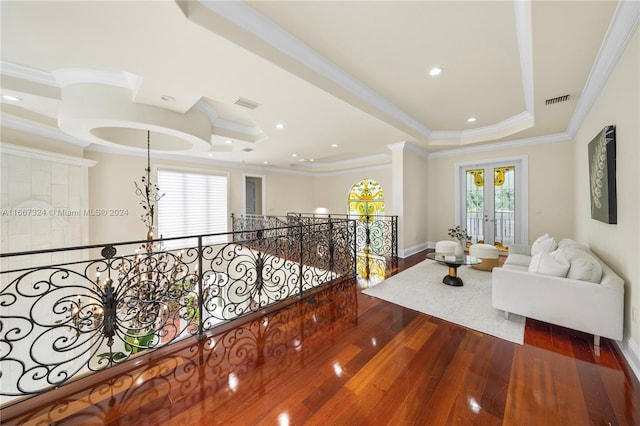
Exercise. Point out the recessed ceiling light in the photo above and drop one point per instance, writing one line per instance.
(167, 98)
(435, 71)
(334, 145)
(279, 126)
(294, 155)
(471, 119)
(265, 162)
(228, 141)
(210, 155)
(311, 159)
(11, 98)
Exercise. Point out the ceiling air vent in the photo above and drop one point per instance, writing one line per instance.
(557, 100)
(248, 149)
(247, 103)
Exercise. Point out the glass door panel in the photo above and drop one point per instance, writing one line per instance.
(475, 204)
(504, 206)
(490, 205)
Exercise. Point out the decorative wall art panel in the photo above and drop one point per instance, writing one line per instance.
(602, 175)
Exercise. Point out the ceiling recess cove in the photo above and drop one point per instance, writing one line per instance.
(557, 99)
(247, 103)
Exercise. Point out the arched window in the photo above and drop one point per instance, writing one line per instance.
(366, 199)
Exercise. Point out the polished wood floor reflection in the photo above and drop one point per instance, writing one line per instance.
(338, 357)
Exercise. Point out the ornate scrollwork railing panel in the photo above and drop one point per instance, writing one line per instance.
(62, 321)
(59, 322)
(380, 237)
(239, 279)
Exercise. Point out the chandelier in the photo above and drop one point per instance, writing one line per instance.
(143, 292)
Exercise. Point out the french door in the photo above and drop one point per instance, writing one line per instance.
(492, 199)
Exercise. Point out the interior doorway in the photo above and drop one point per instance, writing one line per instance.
(492, 201)
(254, 195)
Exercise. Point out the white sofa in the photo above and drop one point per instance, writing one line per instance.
(561, 286)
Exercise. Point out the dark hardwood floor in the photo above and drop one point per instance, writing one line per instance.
(338, 357)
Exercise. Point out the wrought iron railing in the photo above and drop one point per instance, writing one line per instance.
(376, 242)
(375, 234)
(70, 312)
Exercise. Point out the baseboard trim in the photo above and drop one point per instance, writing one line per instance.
(413, 250)
(631, 353)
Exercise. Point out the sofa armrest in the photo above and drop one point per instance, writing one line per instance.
(520, 249)
(580, 305)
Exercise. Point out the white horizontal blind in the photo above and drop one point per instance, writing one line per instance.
(193, 204)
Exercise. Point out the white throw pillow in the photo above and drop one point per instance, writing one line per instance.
(583, 266)
(555, 264)
(545, 243)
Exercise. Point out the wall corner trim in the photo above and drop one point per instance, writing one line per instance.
(631, 353)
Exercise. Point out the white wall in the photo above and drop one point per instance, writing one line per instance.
(416, 197)
(551, 188)
(288, 192)
(618, 245)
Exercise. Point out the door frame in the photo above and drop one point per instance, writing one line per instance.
(263, 190)
(522, 188)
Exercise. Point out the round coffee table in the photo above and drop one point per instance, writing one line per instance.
(453, 262)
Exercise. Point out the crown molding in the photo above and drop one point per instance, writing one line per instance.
(40, 130)
(507, 127)
(621, 29)
(398, 146)
(236, 165)
(361, 169)
(558, 137)
(379, 158)
(28, 73)
(408, 146)
(23, 151)
(204, 107)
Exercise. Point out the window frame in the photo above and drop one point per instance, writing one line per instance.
(199, 171)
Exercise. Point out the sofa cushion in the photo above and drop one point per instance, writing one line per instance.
(568, 242)
(583, 266)
(555, 264)
(545, 243)
(515, 259)
(515, 268)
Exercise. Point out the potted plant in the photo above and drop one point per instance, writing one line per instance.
(459, 234)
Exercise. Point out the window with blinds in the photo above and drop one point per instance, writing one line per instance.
(193, 204)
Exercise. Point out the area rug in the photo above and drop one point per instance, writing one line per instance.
(420, 288)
